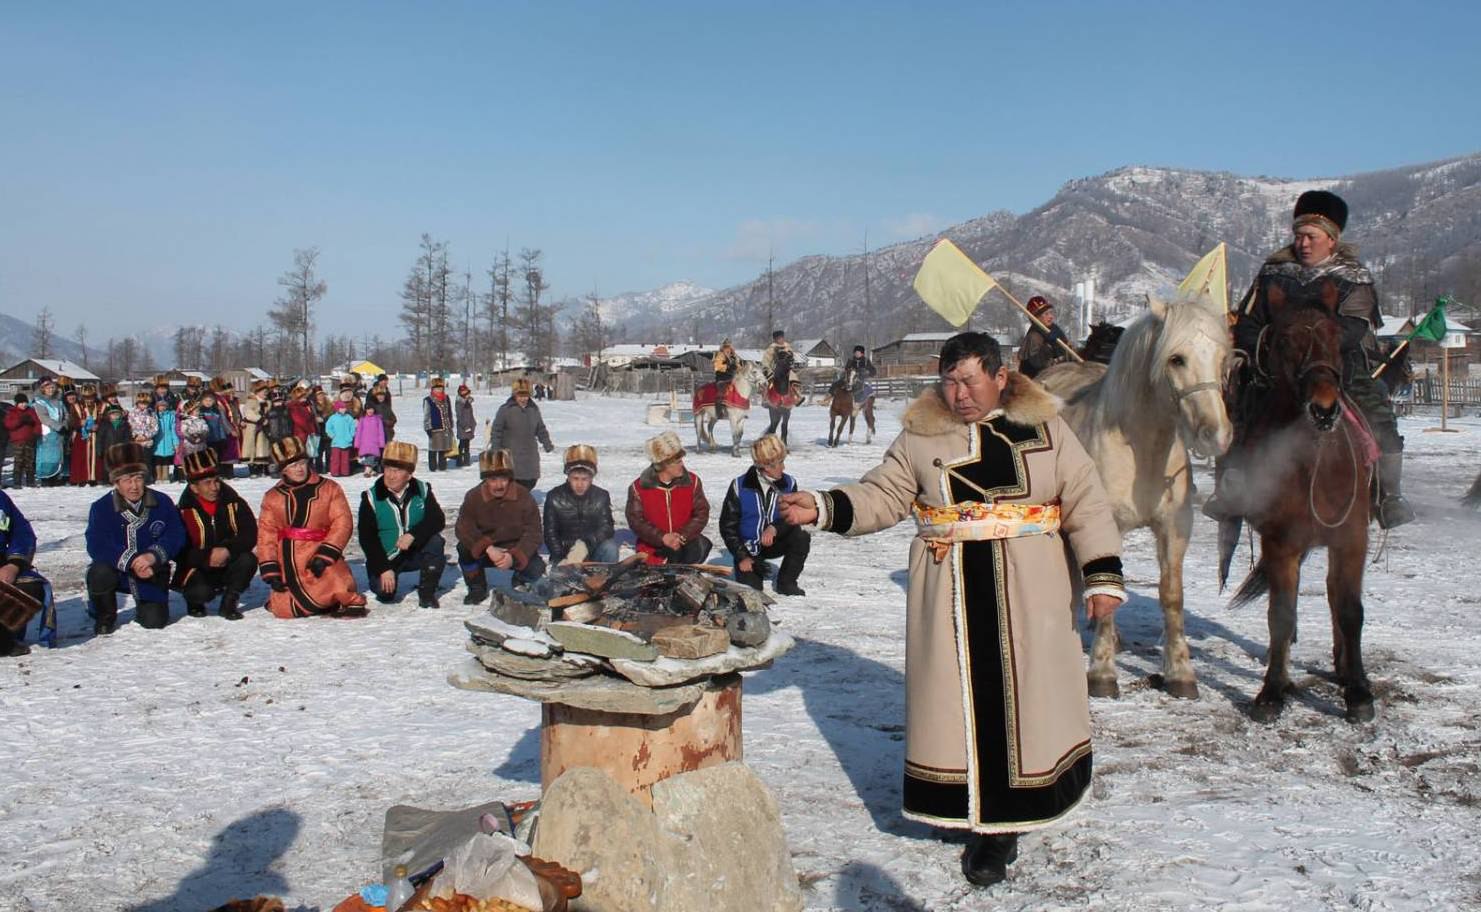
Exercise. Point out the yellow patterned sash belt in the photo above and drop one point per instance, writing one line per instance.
(941, 527)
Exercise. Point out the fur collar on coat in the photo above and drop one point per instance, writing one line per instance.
(1024, 402)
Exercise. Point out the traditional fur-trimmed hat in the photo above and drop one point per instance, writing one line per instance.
(399, 454)
(495, 462)
(664, 448)
(581, 456)
(192, 381)
(258, 386)
(1038, 304)
(777, 334)
(522, 385)
(200, 465)
(161, 380)
(768, 450)
(288, 451)
(436, 383)
(347, 383)
(89, 391)
(126, 459)
(1322, 208)
(220, 384)
(107, 391)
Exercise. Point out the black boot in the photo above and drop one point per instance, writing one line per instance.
(749, 578)
(1393, 509)
(986, 858)
(195, 611)
(229, 606)
(152, 615)
(786, 586)
(105, 613)
(427, 587)
(478, 589)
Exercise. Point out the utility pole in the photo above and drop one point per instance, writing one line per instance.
(868, 311)
(770, 298)
(468, 358)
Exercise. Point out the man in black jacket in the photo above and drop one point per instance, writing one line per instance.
(751, 523)
(220, 533)
(578, 512)
(401, 527)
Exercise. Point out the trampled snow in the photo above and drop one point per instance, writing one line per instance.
(176, 769)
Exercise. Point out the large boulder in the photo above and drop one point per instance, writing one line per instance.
(713, 841)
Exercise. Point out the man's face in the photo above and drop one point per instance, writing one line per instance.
(774, 470)
(580, 481)
(207, 489)
(131, 487)
(521, 398)
(296, 471)
(1047, 317)
(971, 392)
(497, 486)
(397, 479)
(672, 470)
(161, 391)
(1312, 245)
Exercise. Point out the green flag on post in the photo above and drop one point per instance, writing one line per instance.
(1432, 327)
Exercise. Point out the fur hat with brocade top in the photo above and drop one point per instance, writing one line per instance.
(288, 451)
(581, 457)
(666, 447)
(200, 465)
(126, 459)
(493, 463)
(399, 454)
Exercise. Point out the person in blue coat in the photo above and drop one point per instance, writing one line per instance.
(133, 532)
(17, 548)
(751, 523)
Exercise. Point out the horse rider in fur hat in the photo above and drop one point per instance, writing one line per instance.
(1317, 261)
(133, 532)
(726, 362)
(998, 485)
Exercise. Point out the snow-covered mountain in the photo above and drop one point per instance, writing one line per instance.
(652, 305)
(17, 341)
(1134, 230)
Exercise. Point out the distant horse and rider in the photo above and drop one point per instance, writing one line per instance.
(849, 397)
(737, 406)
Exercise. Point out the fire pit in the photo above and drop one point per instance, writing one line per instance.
(637, 666)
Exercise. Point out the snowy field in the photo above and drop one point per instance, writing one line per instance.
(175, 769)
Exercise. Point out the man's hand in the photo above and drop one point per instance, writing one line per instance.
(388, 582)
(404, 541)
(219, 557)
(275, 583)
(673, 541)
(1102, 606)
(768, 536)
(493, 554)
(318, 564)
(799, 509)
(504, 561)
(142, 566)
(744, 565)
(9, 572)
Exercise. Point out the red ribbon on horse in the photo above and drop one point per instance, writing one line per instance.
(704, 397)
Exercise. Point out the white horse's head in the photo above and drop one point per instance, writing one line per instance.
(1189, 361)
(746, 375)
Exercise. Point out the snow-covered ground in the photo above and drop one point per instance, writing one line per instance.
(174, 769)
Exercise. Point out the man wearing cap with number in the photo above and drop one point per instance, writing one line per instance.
(578, 514)
(1040, 349)
(401, 527)
(498, 526)
(220, 535)
(133, 532)
(1314, 264)
(302, 530)
(752, 526)
(666, 506)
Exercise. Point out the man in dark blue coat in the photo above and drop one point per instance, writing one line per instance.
(133, 532)
(23, 592)
(752, 526)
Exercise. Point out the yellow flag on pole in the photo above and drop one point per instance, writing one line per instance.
(1209, 278)
(951, 284)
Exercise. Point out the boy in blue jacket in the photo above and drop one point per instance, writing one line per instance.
(752, 526)
(133, 532)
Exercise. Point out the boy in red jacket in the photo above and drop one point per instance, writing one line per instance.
(25, 430)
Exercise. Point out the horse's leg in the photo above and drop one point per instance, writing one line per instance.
(737, 428)
(1283, 568)
(869, 419)
(786, 420)
(853, 417)
(1345, 598)
(1172, 543)
(1101, 678)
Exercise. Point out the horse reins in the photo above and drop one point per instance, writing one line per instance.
(1316, 466)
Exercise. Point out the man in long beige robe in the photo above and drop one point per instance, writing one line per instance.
(997, 717)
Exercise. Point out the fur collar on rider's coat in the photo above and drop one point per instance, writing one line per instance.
(1024, 402)
(1343, 263)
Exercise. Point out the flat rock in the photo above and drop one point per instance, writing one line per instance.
(602, 641)
(520, 612)
(503, 662)
(591, 825)
(489, 628)
(535, 649)
(599, 693)
(690, 641)
(666, 672)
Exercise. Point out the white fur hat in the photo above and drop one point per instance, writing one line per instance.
(664, 447)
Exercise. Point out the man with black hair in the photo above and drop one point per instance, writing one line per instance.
(133, 532)
(220, 538)
(997, 718)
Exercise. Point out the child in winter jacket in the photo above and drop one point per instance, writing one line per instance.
(24, 429)
(143, 425)
(341, 430)
(370, 440)
(165, 439)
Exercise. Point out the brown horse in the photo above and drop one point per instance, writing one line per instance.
(1312, 491)
(843, 409)
(1473, 496)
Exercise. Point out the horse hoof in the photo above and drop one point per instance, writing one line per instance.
(1105, 688)
(1358, 713)
(1182, 689)
(1266, 710)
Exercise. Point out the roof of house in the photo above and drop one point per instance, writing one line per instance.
(67, 368)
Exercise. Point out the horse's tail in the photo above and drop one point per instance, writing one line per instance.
(1254, 586)
(1473, 496)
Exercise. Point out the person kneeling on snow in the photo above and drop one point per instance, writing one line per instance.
(579, 513)
(23, 591)
(666, 506)
(220, 533)
(752, 526)
(400, 528)
(498, 526)
(302, 530)
(133, 532)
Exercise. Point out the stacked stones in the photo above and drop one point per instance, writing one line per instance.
(625, 637)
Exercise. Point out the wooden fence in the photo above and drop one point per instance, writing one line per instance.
(815, 383)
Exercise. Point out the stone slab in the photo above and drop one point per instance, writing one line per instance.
(602, 641)
(501, 661)
(601, 693)
(690, 641)
(666, 672)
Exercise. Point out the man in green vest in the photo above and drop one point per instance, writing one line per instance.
(401, 527)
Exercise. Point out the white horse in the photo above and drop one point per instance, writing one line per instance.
(1161, 395)
(705, 417)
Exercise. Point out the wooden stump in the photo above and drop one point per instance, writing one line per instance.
(637, 750)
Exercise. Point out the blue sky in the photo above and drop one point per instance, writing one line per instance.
(160, 162)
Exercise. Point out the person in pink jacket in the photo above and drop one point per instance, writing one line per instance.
(370, 440)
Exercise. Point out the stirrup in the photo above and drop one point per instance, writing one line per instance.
(1394, 511)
